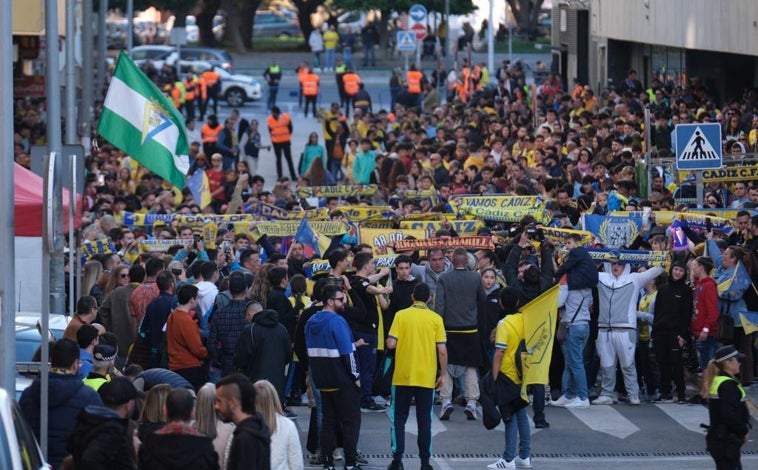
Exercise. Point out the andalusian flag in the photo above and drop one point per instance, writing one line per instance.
(138, 119)
(540, 320)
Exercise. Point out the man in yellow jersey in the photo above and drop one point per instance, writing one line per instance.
(508, 336)
(418, 337)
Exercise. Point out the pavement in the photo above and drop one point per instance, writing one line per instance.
(376, 80)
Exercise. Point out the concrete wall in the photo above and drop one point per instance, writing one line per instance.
(710, 25)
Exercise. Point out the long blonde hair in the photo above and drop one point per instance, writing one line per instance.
(114, 277)
(205, 411)
(711, 371)
(153, 411)
(261, 286)
(267, 403)
(90, 275)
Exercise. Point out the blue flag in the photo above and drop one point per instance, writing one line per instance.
(310, 239)
(200, 188)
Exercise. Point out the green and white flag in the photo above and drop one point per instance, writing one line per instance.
(138, 119)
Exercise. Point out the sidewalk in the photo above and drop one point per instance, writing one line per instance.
(257, 62)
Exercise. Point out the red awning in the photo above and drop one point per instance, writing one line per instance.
(29, 191)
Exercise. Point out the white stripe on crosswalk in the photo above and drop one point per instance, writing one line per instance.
(411, 427)
(605, 419)
(689, 417)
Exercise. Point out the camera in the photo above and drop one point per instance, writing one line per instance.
(335, 281)
(534, 232)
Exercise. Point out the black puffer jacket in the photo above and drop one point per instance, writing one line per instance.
(100, 440)
(251, 446)
(177, 451)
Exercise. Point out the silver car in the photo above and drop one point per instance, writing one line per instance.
(18, 447)
(274, 24)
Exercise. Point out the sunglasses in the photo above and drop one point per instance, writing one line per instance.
(124, 276)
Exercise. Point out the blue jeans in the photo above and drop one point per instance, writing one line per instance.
(705, 350)
(517, 428)
(369, 54)
(574, 382)
(329, 57)
(347, 56)
(366, 356)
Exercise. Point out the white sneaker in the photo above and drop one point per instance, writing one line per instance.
(561, 401)
(634, 400)
(502, 463)
(578, 403)
(337, 454)
(524, 463)
(603, 400)
(379, 400)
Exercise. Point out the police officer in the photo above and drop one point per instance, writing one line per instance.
(727, 408)
(273, 76)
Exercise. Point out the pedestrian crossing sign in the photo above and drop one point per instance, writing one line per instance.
(698, 146)
(406, 41)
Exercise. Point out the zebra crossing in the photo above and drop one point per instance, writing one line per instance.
(619, 422)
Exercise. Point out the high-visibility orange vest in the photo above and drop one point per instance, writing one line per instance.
(466, 78)
(414, 81)
(310, 85)
(351, 81)
(203, 83)
(190, 89)
(211, 77)
(279, 128)
(210, 134)
(301, 73)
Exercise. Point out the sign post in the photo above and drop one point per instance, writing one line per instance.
(418, 14)
(698, 147)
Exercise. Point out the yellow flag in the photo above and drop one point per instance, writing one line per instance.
(540, 318)
(749, 322)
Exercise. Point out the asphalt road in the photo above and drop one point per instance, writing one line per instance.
(600, 437)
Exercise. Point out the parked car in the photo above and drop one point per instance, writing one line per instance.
(190, 56)
(18, 446)
(236, 88)
(274, 24)
(27, 343)
(142, 54)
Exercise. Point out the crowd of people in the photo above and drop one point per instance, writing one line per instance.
(246, 311)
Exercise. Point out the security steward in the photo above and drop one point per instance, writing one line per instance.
(727, 409)
(280, 128)
(310, 84)
(191, 92)
(213, 83)
(414, 78)
(351, 81)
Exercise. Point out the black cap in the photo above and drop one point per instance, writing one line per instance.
(727, 352)
(118, 391)
(105, 352)
(657, 230)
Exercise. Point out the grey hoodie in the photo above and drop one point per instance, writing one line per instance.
(429, 277)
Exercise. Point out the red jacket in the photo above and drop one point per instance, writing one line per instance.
(707, 307)
(185, 348)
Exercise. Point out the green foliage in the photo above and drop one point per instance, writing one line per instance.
(457, 7)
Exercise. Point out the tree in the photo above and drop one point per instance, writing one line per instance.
(386, 7)
(305, 8)
(526, 14)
